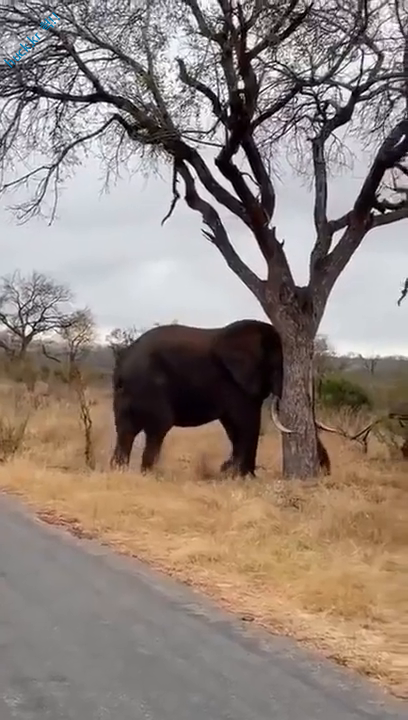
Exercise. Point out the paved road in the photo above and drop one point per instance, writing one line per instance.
(86, 635)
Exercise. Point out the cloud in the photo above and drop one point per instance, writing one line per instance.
(118, 259)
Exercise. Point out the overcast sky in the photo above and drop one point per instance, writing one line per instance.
(117, 258)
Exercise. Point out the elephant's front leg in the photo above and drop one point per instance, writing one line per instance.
(125, 436)
(249, 441)
(243, 431)
(127, 427)
(232, 464)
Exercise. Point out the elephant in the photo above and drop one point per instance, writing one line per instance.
(178, 375)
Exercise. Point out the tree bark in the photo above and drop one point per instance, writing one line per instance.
(300, 457)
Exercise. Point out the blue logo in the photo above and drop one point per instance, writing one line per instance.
(29, 42)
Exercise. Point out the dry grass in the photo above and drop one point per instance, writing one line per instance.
(326, 563)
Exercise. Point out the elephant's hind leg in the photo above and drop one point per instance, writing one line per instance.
(155, 430)
(154, 442)
(243, 429)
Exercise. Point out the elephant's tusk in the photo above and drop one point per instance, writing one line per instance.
(275, 417)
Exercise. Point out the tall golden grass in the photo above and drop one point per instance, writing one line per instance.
(325, 562)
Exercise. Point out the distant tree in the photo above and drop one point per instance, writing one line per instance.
(322, 347)
(78, 337)
(120, 338)
(323, 355)
(322, 360)
(370, 363)
(30, 307)
(218, 89)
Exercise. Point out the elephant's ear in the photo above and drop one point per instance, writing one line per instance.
(239, 349)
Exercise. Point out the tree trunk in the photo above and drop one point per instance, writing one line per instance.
(300, 458)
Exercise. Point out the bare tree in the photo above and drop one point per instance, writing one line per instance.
(85, 415)
(120, 338)
(29, 308)
(370, 363)
(78, 336)
(323, 359)
(229, 82)
(323, 353)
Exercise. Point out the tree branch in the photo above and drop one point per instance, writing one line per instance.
(393, 216)
(324, 230)
(404, 293)
(262, 177)
(360, 219)
(242, 107)
(392, 151)
(273, 38)
(218, 110)
(185, 153)
(340, 223)
(31, 208)
(320, 204)
(203, 25)
(176, 195)
(48, 354)
(276, 107)
(223, 160)
(251, 91)
(218, 235)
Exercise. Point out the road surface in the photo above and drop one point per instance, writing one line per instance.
(87, 635)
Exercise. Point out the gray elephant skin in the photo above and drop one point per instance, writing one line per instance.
(176, 375)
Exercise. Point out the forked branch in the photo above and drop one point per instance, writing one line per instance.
(325, 229)
(218, 235)
(191, 82)
(360, 219)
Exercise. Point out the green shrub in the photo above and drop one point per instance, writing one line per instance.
(336, 392)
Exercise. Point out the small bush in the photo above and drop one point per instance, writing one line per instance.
(61, 375)
(11, 437)
(22, 370)
(45, 373)
(337, 392)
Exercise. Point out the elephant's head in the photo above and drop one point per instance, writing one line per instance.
(251, 351)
